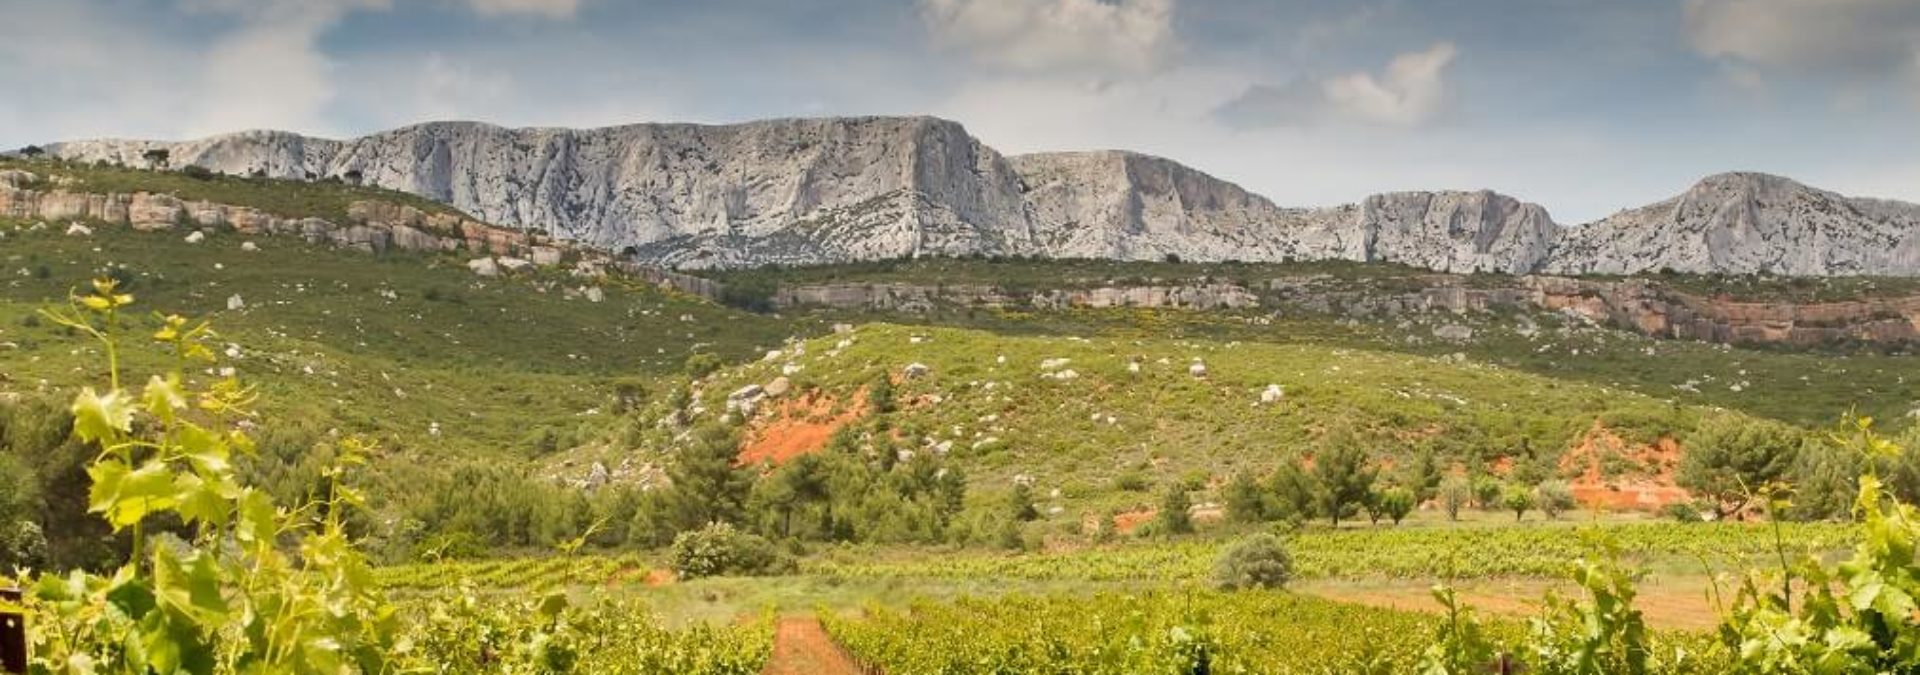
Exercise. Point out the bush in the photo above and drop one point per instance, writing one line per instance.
(720, 550)
(1555, 498)
(1258, 561)
(1684, 512)
(701, 365)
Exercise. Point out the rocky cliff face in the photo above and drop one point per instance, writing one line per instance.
(834, 190)
(1746, 223)
(815, 191)
(781, 191)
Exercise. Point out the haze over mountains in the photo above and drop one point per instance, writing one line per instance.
(810, 191)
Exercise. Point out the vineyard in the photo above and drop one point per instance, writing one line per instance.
(1248, 632)
(1418, 553)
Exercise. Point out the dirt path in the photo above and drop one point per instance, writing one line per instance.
(802, 647)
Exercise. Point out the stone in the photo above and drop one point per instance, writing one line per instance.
(778, 387)
(915, 371)
(595, 294)
(1055, 364)
(235, 303)
(78, 230)
(196, 237)
(1453, 332)
(485, 267)
(1198, 369)
(249, 247)
(1272, 394)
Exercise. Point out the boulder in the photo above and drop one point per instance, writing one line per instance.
(778, 387)
(235, 303)
(78, 230)
(1198, 369)
(485, 267)
(1272, 394)
(196, 237)
(1453, 332)
(916, 371)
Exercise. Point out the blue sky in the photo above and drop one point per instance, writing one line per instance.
(1586, 107)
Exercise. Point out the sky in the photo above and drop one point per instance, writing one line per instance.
(1586, 107)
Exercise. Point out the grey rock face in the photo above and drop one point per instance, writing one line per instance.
(1745, 223)
(811, 191)
(833, 190)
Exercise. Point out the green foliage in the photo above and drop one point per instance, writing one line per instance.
(1175, 516)
(1256, 561)
(701, 365)
(1854, 616)
(1343, 473)
(1454, 493)
(1518, 499)
(1247, 501)
(1554, 497)
(1728, 459)
(720, 550)
(1395, 503)
(709, 486)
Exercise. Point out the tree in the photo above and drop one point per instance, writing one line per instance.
(708, 486)
(1246, 501)
(1454, 493)
(157, 157)
(32, 152)
(1555, 498)
(1395, 503)
(1518, 499)
(1486, 492)
(1423, 475)
(1343, 474)
(353, 176)
(1294, 494)
(1728, 460)
(1174, 518)
(1258, 561)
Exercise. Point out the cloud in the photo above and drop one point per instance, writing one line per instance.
(1411, 91)
(552, 9)
(1097, 37)
(1853, 38)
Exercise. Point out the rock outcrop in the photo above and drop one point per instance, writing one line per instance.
(1749, 223)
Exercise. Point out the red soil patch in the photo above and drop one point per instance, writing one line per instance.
(800, 426)
(802, 647)
(1648, 488)
(659, 577)
(1126, 523)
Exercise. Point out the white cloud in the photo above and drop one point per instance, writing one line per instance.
(1846, 37)
(1411, 91)
(552, 9)
(1097, 37)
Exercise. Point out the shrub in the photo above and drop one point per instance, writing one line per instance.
(1174, 518)
(1258, 561)
(720, 550)
(701, 365)
(1555, 498)
(1684, 512)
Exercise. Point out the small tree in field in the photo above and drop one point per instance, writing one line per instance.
(1174, 518)
(157, 157)
(1455, 493)
(1345, 479)
(1517, 499)
(1395, 503)
(1730, 458)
